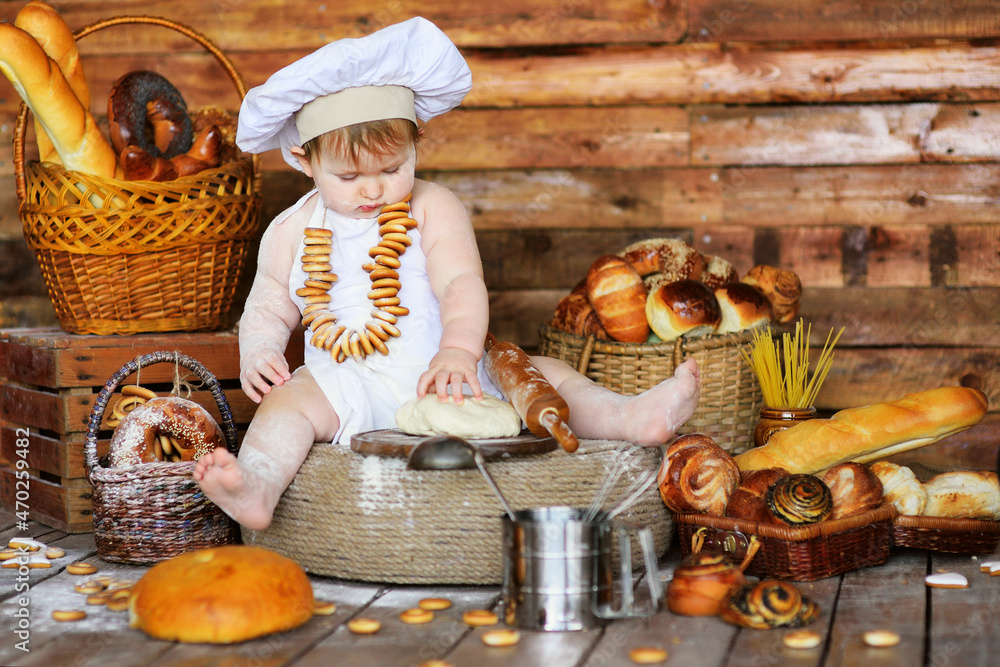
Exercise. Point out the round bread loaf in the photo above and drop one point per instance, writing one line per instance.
(683, 307)
(742, 306)
(855, 488)
(618, 295)
(221, 596)
(697, 476)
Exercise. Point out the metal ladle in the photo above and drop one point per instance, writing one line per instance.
(446, 452)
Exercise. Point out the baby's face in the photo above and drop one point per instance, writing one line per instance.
(360, 190)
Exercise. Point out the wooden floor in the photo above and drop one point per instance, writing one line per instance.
(938, 627)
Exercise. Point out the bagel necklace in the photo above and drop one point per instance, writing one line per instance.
(342, 343)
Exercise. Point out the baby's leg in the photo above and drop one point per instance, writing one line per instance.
(289, 420)
(649, 418)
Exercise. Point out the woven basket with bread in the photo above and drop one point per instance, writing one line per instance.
(809, 498)
(146, 231)
(642, 312)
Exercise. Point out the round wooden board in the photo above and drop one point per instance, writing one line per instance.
(393, 442)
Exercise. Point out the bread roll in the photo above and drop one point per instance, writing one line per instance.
(619, 298)
(855, 488)
(783, 288)
(221, 595)
(871, 432)
(900, 488)
(742, 306)
(963, 494)
(42, 86)
(697, 476)
(717, 272)
(749, 500)
(682, 308)
(674, 258)
(575, 314)
(43, 22)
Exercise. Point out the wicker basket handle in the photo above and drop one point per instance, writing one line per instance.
(101, 403)
(20, 125)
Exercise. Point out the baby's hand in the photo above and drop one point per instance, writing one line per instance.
(450, 366)
(262, 366)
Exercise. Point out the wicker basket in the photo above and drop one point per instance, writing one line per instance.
(153, 511)
(121, 257)
(731, 398)
(371, 518)
(799, 553)
(957, 536)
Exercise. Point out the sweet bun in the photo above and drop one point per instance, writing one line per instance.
(717, 272)
(697, 476)
(742, 306)
(221, 595)
(900, 488)
(855, 488)
(782, 287)
(135, 438)
(963, 494)
(673, 258)
(749, 500)
(619, 297)
(682, 308)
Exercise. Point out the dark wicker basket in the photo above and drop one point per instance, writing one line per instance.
(956, 536)
(798, 553)
(154, 511)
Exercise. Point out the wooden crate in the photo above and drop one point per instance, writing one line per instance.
(49, 380)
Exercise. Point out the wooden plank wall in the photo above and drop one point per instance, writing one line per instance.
(855, 143)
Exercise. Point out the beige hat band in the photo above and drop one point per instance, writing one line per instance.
(352, 106)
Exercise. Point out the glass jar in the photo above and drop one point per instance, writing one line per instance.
(773, 420)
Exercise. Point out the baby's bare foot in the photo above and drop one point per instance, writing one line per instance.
(657, 413)
(238, 492)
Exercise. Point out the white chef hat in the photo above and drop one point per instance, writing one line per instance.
(407, 70)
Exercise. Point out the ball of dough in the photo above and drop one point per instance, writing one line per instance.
(488, 418)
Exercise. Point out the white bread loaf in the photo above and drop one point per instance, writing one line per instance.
(869, 433)
(901, 488)
(42, 86)
(743, 307)
(43, 22)
(963, 494)
(618, 295)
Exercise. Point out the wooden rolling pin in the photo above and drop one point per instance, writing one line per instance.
(535, 400)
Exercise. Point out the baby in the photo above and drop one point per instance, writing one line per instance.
(336, 260)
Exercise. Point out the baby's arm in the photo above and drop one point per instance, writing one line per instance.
(456, 276)
(269, 316)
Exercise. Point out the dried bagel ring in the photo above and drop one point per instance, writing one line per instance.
(315, 259)
(381, 314)
(386, 260)
(382, 293)
(390, 329)
(324, 276)
(392, 215)
(379, 332)
(434, 604)
(317, 268)
(394, 246)
(366, 344)
(396, 310)
(318, 298)
(81, 568)
(321, 232)
(320, 284)
(380, 272)
(381, 251)
(398, 238)
(364, 626)
(416, 616)
(390, 227)
(387, 301)
(376, 341)
(379, 283)
(136, 390)
(480, 617)
(317, 249)
(68, 615)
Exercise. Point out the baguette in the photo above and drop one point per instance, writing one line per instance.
(43, 22)
(41, 84)
(869, 433)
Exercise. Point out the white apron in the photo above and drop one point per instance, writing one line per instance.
(366, 396)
